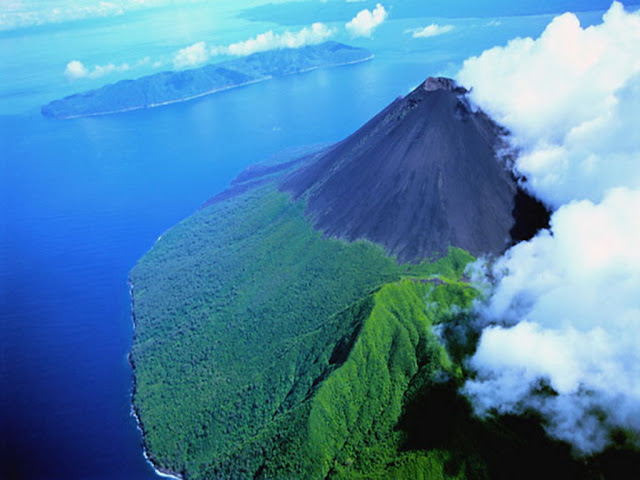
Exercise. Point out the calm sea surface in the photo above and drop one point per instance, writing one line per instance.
(82, 200)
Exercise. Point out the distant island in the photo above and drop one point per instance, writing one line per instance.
(178, 86)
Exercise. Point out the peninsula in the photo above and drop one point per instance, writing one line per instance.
(178, 86)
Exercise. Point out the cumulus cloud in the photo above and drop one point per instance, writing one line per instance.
(432, 30)
(568, 98)
(75, 69)
(192, 55)
(563, 312)
(366, 21)
(314, 34)
(200, 52)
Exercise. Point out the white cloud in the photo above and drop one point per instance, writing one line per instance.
(432, 30)
(575, 296)
(100, 70)
(192, 55)
(556, 92)
(316, 33)
(75, 69)
(564, 309)
(200, 52)
(366, 21)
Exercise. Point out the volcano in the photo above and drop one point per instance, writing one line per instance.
(422, 175)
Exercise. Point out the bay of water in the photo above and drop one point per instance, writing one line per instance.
(82, 200)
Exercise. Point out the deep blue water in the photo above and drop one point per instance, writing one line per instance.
(82, 200)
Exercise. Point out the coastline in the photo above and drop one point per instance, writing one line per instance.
(210, 92)
(334, 65)
(168, 102)
(161, 472)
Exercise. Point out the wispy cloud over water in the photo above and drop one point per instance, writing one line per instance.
(432, 30)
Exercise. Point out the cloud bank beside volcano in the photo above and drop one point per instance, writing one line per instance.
(571, 99)
(563, 314)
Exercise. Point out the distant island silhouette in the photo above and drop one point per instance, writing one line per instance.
(178, 86)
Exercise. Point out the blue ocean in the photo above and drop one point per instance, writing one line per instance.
(82, 200)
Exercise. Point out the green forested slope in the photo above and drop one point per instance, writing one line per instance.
(243, 316)
(357, 409)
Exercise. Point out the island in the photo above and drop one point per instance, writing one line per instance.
(313, 321)
(169, 87)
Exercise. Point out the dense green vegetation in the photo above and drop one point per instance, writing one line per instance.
(265, 350)
(243, 315)
(355, 411)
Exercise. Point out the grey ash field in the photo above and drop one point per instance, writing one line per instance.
(288, 328)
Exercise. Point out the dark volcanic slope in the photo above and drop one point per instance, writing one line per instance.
(420, 176)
